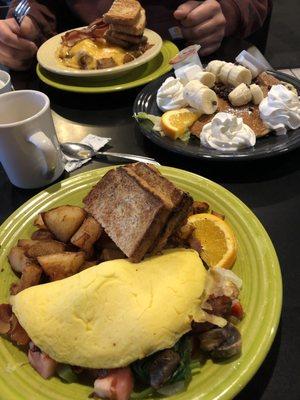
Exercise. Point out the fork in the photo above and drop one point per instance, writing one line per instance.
(21, 11)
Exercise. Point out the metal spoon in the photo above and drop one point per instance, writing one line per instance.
(83, 151)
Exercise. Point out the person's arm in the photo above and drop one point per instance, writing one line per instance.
(208, 22)
(244, 17)
(19, 44)
(42, 14)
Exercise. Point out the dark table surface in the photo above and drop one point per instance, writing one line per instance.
(270, 188)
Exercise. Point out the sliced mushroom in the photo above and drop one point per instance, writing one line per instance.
(84, 59)
(163, 367)
(221, 343)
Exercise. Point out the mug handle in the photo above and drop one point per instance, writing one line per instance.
(47, 148)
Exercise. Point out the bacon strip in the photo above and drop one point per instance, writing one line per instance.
(95, 30)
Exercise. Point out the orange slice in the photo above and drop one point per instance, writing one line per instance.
(218, 244)
(175, 123)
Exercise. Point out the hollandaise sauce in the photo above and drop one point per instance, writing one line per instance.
(92, 54)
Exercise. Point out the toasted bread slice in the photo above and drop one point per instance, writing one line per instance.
(131, 215)
(116, 41)
(138, 208)
(137, 29)
(123, 12)
(131, 39)
(176, 200)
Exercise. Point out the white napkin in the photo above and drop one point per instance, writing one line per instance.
(95, 142)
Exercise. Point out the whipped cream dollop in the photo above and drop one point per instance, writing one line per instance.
(170, 95)
(227, 132)
(280, 109)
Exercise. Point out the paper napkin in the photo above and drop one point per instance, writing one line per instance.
(95, 142)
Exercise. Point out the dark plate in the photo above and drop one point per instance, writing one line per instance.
(267, 146)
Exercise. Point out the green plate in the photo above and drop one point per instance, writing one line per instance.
(136, 77)
(256, 264)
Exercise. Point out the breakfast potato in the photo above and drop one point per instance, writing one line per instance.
(199, 207)
(36, 248)
(31, 276)
(42, 234)
(38, 222)
(88, 264)
(87, 234)
(111, 254)
(61, 265)
(17, 259)
(26, 243)
(64, 221)
(45, 247)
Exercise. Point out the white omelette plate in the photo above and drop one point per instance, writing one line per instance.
(47, 58)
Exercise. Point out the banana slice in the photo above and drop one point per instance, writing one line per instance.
(240, 96)
(200, 97)
(207, 78)
(225, 71)
(257, 94)
(238, 75)
(215, 67)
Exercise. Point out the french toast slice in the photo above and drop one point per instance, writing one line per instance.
(123, 12)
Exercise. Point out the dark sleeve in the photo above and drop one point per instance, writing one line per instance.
(43, 14)
(245, 17)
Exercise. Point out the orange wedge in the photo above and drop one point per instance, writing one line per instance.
(218, 244)
(175, 123)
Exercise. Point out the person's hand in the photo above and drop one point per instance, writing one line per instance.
(17, 47)
(202, 23)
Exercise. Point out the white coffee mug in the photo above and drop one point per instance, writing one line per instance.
(29, 149)
(5, 82)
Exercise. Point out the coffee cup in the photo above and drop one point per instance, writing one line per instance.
(29, 149)
(5, 82)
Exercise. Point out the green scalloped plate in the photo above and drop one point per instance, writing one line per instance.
(146, 73)
(256, 264)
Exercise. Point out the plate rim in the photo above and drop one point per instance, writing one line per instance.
(166, 46)
(266, 341)
(220, 157)
(143, 59)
